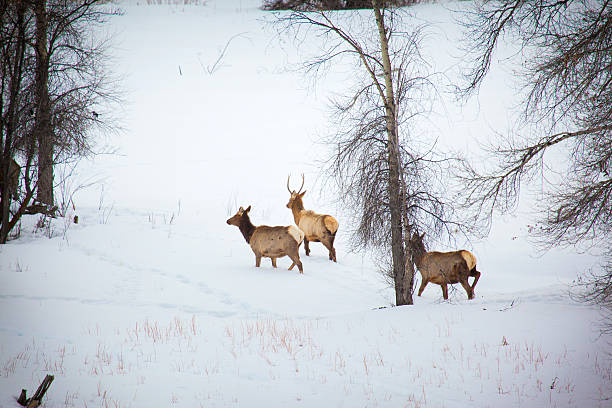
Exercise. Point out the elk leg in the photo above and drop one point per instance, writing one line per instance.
(468, 288)
(476, 277)
(292, 258)
(329, 244)
(273, 262)
(306, 247)
(332, 251)
(257, 260)
(422, 287)
(444, 291)
(296, 261)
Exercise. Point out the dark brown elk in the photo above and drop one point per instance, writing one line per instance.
(317, 227)
(269, 242)
(12, 181)
(444, 268)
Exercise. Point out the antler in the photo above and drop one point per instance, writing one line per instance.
(302, 186)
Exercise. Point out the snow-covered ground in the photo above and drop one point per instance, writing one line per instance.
(152, 300)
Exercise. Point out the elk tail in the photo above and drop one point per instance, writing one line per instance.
(470, 260)
(296, 233)
(331, 224)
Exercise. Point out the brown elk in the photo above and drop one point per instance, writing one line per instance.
(269, 242)
(317, 227)
(12, 181)
(444, 268)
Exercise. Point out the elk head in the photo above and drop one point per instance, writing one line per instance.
(417, 245)
(296, 197)
(235, 219)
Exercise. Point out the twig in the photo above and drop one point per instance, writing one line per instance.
(216, 66)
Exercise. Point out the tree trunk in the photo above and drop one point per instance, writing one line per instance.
(403, 294)
(10, 124)
(5, 202)
(42, 127)
(356, 4)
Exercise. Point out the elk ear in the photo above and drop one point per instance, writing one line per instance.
(248, 209)
(302, 194)
(421, 237)
(241, 210)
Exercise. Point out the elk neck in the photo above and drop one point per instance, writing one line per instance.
(246, 227)
(417, 256)
(296, 208)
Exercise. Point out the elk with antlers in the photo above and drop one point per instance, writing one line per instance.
(317, 227)
(269, 242)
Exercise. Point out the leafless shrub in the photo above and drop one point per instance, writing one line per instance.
(177, 2)
(69, 185)
(105, 211)
(595, 287)
(312, 5)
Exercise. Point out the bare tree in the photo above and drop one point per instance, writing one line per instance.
(567, 81)
(566, 48)
(15, 78)
(52, 77)
(385, 181)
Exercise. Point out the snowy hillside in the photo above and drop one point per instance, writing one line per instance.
(152, 300)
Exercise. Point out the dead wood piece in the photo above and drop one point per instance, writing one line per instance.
(38, 395)
(22, 398)
(41, 209)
